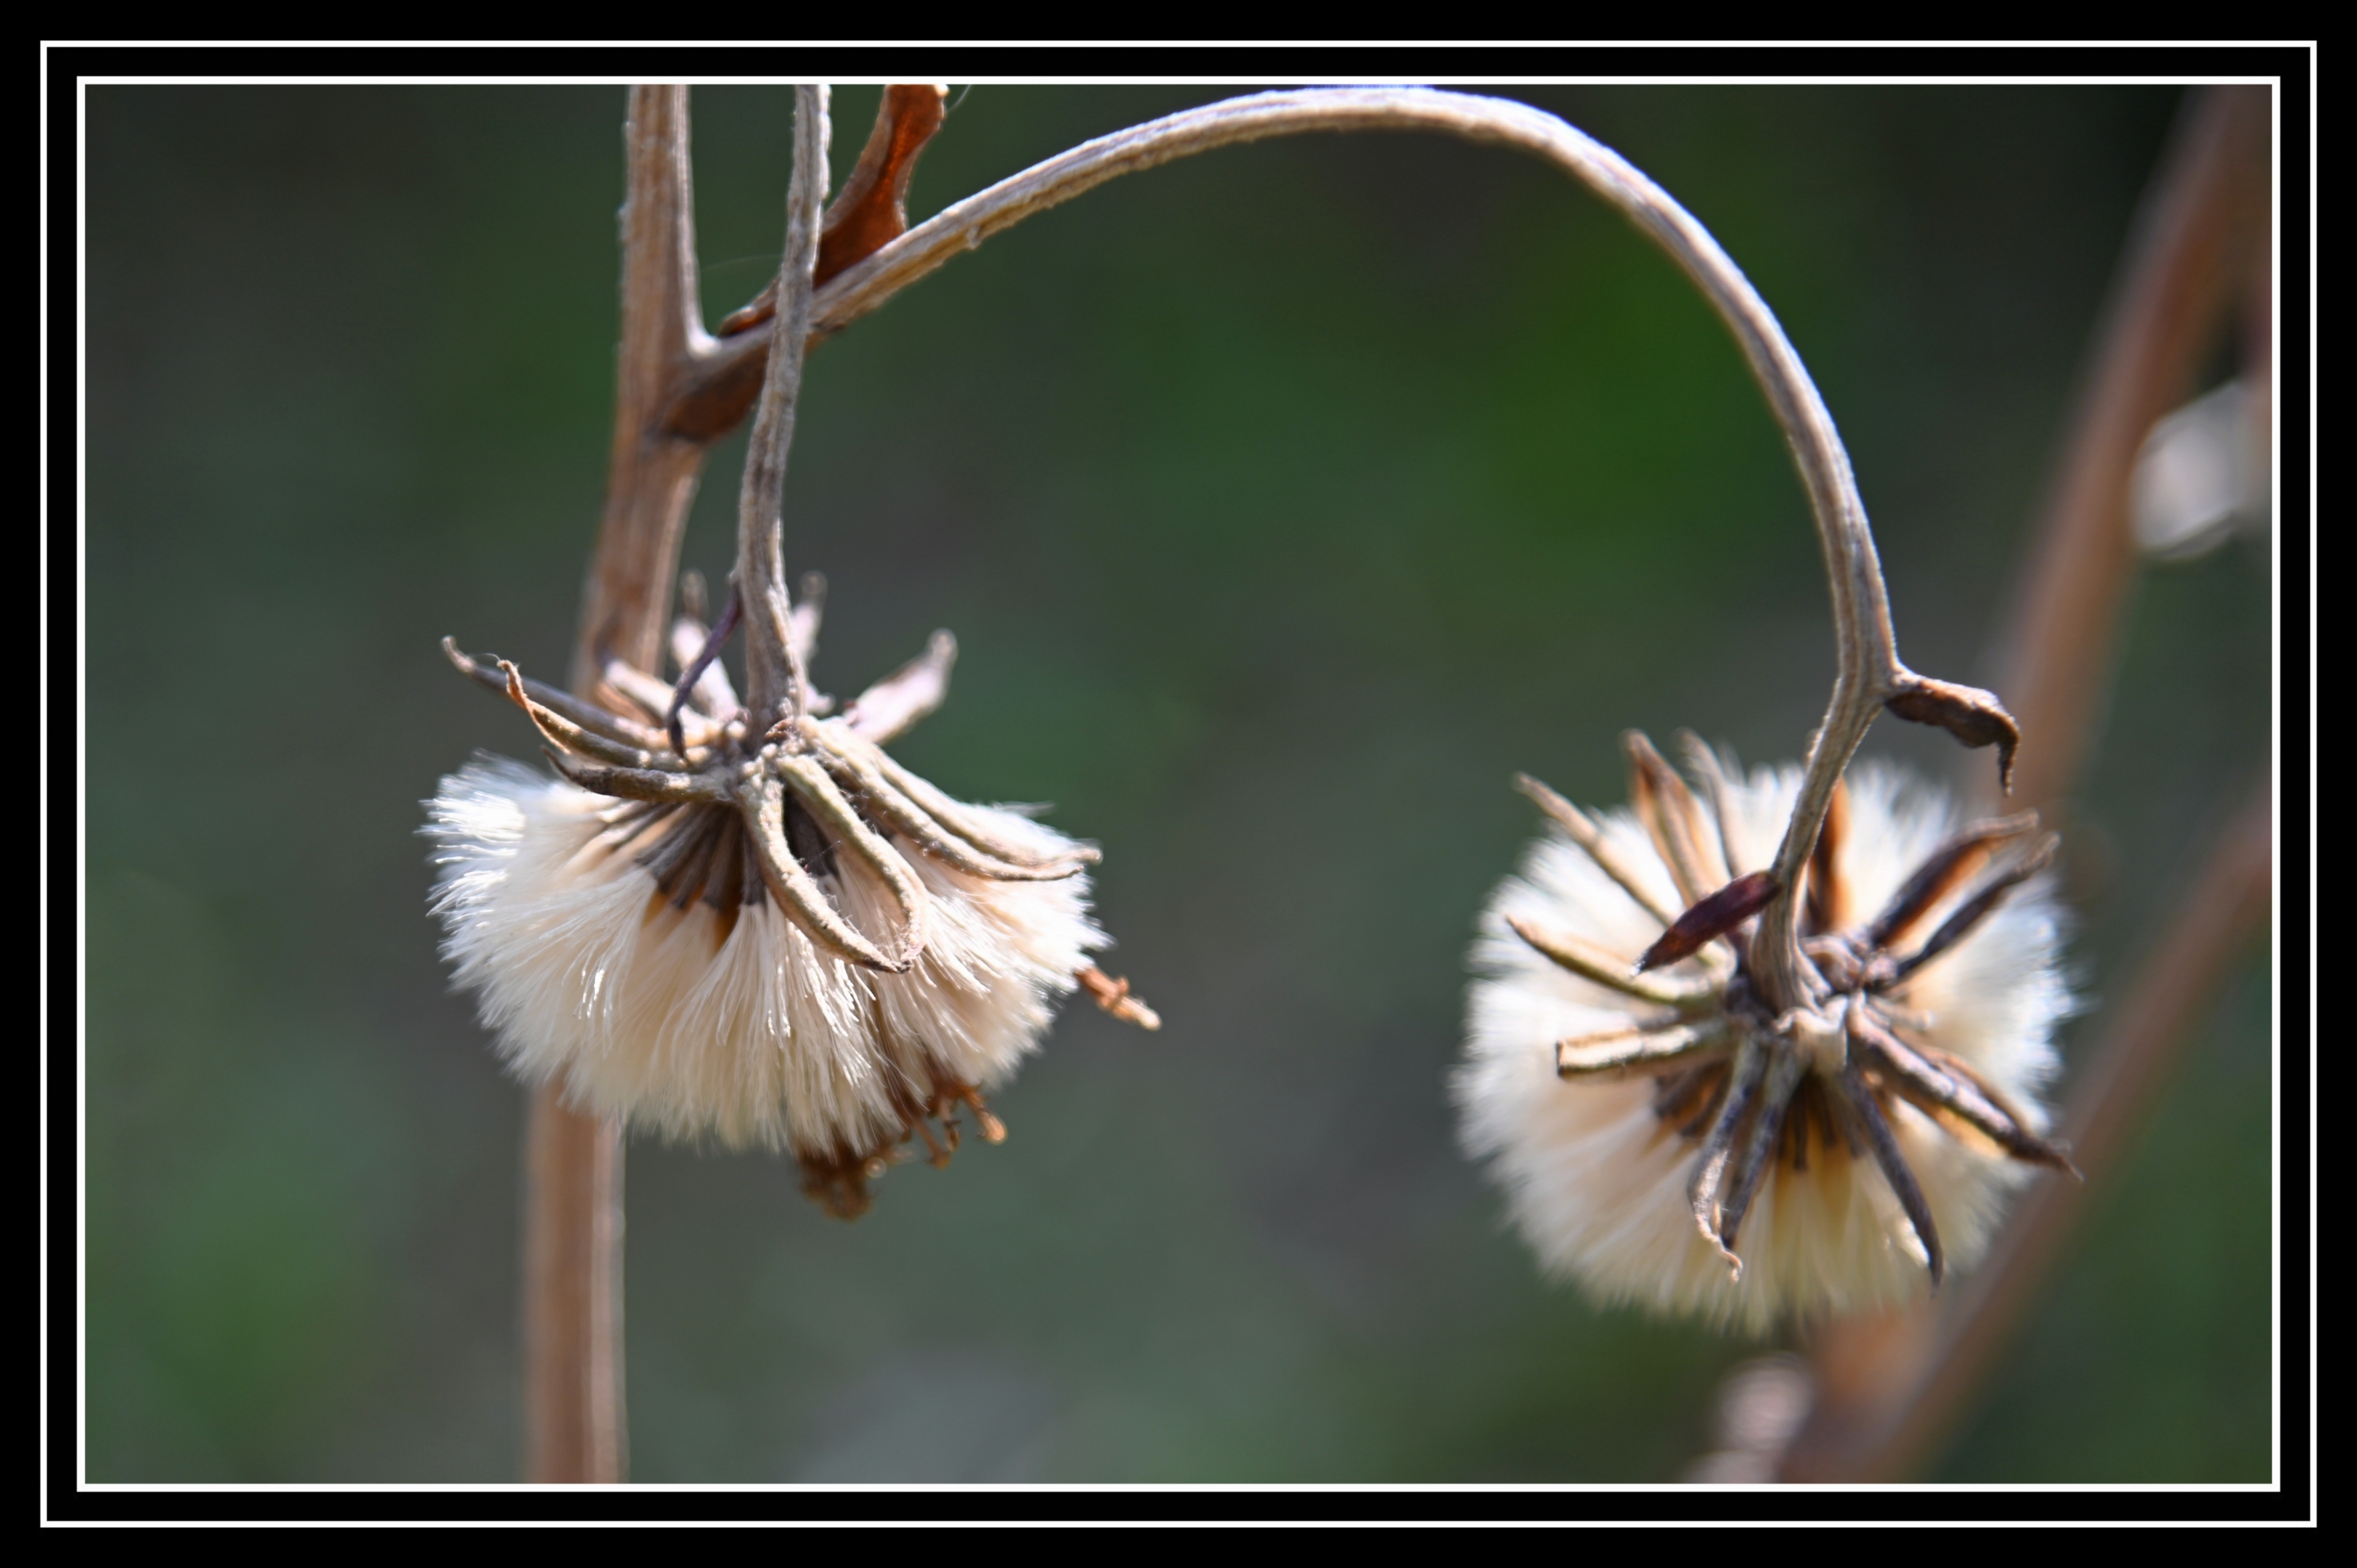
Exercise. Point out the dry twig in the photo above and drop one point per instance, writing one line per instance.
(1890, 1383)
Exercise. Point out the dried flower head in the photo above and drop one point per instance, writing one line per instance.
(794, 942)
(744, 920)
(1647, 1114)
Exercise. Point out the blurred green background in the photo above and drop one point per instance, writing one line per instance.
(1285, 503)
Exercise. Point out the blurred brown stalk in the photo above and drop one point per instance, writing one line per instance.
(1891, 1385)
(575, 1429)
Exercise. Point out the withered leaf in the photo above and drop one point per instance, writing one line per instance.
(1712, 918)
(872, 209)
(1974, 716)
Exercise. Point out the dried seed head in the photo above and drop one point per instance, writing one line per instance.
(802, 946)
(1664, 1140)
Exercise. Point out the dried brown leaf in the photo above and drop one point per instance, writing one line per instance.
(872, 209)
(1974, 716)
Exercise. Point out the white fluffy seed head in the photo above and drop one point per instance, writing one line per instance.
(746, 1033)
(1597, 1183)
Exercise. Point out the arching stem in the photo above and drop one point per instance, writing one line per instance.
(1868, 672)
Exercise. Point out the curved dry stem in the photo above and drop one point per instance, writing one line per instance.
(775, 685)
(1710, 1166)
(1784, 1075)
(905, 816)
(555, 728)
(797, 893)
(637, 783)
(835, 738)
(588, 715)
(817, 791)
(1869, 670)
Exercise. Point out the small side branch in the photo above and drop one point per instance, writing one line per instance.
(1113, 995)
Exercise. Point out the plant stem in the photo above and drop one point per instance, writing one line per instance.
(674, 398)
(651, 472)
(2204, 210)
(774, 685)
(575, 1428)
(1868, 667)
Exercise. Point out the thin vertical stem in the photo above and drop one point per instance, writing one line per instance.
(774, 685)
(575, 1428)
(573, 1423)
(651, 472)
(673, 397)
